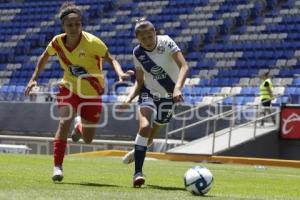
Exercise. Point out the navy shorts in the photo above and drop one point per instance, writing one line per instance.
(163, 107)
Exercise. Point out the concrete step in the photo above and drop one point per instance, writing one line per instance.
(204, 145)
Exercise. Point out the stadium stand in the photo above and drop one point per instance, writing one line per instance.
(227, 43)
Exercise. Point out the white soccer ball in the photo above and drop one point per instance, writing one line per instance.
(198, 180)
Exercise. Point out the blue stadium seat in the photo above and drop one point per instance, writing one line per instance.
(228, 101)
(246, 91)
(282, 100)
(248, 100)
(255, 54)
(296, 82)
(290, 90)
(239, 100)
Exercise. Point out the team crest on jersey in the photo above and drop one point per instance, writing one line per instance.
(81, 54)
(160, 49)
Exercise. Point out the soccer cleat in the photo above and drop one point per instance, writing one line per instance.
(129, 157)
(75, 134)
(138, 179)
(57, 174)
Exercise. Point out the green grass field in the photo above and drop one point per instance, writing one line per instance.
(29, 178)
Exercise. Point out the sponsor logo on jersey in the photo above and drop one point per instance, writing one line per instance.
(158, 73)
(77, 70)
(156, 70)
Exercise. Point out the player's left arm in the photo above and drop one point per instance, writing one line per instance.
(117, 67)
(183, 71)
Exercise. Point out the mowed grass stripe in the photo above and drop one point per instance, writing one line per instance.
(29, 177)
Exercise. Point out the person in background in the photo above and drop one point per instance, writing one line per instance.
(266, 96)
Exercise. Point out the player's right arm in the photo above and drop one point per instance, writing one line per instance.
(137, 85)
(139, 81)
(41, 63)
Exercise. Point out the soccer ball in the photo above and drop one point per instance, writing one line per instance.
(198, 180)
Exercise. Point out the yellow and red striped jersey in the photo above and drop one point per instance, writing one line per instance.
(82, 65)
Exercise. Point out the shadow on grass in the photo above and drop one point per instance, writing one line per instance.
(89, 184)
(157, 187)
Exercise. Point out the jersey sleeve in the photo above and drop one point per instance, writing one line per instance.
(50, 49)
(171, 46)
(101, 47)
(136, 63)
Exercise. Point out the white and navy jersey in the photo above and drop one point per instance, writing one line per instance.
(160, 69)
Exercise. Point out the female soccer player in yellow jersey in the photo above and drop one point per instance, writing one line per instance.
(80, 55)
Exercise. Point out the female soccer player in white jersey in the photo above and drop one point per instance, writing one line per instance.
(80, 55)
(161, 71)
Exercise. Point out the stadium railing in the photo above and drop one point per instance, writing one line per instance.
(232, 123)
(43, 145)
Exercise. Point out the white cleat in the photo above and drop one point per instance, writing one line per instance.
(129, 157)
(75, 135)
(138, 180)
(57, 174)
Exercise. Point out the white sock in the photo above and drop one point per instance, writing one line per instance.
(141, 141)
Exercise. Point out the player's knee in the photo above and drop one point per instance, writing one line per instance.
(88, 135)
(87, 140)
(63, 126)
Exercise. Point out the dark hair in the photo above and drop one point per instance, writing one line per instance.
(67, 8)
(142, 24)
